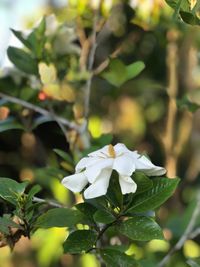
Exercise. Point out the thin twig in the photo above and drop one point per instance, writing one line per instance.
(48, 202)
(42, 111)
(90, 66)
(186, 235)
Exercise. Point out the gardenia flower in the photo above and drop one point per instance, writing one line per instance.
(96, 170)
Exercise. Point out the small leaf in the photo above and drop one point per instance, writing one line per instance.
(64, 155)
(161, 190)
(80, 241)
(6, 223)
(134, 69)
(115, 258)
(103, 216)
(22, 60)
(59, 217)
(20, 36)
(140, 228)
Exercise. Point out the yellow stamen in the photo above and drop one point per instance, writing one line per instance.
(111, 151)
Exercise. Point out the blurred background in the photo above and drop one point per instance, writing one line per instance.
(155, 113)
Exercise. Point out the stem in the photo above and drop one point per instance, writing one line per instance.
(42, 111)
(186, 234)
(49, 202)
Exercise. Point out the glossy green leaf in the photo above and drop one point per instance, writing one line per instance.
(115, 258)
(80, 241)
(59, 217)
(87, 209)
(140, 228)
(161, 190)
(143, 182)
(103, 216)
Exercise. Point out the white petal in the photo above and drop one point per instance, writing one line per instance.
(100, 186)
(120, 149)
(124, 165)
(103, 152)
(85, 162)
(81, 164)
(127, 184)
(75, 182)
(145, 165)
(94, 171)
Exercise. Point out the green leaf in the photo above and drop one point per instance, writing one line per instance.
(80, 241)
(22, 60)
(10, 124)
(114, 193)
(6, 223)
(118, 73)
(64, 155)
(134, 69)
(10, 189)
(34, 190)
(59, 217)
(140, 228)
(37, 39)
(103, 216)
(161, 190)
(87, 209)
(189, 18)
(185, 102)
(20, 36)
(193, 263)
(142, 181)
(115, 258)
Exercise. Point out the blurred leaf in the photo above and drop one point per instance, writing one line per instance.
(22, 60)
(10, 189)
(21, 37)
(185, 102)
(37, 39)
(59, 217)
(6, 223)
(64, 155)
(140, 228)
(118, 73)
(193, 263)
(115, 258)
(80, 241)
(189, 18)
(41, 120)
(162, 189)
(103, 216)
(10, 124)
(184, 4)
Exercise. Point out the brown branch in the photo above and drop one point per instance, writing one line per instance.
(42, 111)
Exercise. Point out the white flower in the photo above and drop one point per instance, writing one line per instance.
(96, 170)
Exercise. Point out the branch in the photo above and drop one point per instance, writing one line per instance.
(42, 111)
(186, 235)
(90, 65)
(49, 202)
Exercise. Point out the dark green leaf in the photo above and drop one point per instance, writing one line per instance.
(20, 36)
(189, 18)
(80, 241)
(87, 209)
(115, 258)
(142, 181)
(103, 216)
(162, 189)
(114, 193)
(22, 60)
(10, 189)
(140, 228)
(59, 217)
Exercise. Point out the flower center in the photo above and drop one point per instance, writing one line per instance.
(111, 151)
